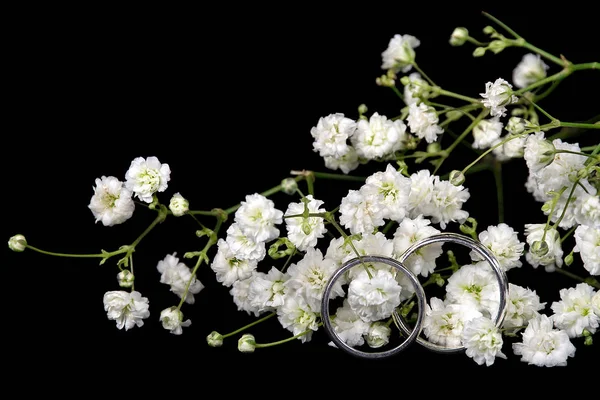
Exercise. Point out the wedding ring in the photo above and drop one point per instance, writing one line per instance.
(486, 254)
(412, 334)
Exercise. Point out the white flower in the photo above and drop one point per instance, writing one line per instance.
(310, 276)
(415, 89)
(421, 190)
(214, 339)
(475, 285)
(423, 121)
(367, 244)
(544, 346)
(587, 243)
(349, 326)
(530, 70)
(538, 152)
(360, 213)
(346, 163)
(111, 203)
(297, 316)
(242, 246)
(522, 305)
(408, 232)
(228, 268)
(400, 53)
(240, 291)
(304, 232)
(596, 303)
(128, 309)
(257, 217)
(482, 340)
(553, 256)
(172, 319)
(179, 276)
(503, 242)
(374, 296)
(486, 132)
(17, 243)
(179, 205)
(246, 343)
(445, 204)
(125, 278)
(587, 211)
(392, 190)
(147, 176)
(267, 291)
(331, 135)
(498, 95)
(574, 312)
(378, 137)
(512, 148)
(378, 334)
(444, 322)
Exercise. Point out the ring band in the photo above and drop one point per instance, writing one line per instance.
(486, 254)
(412, 334)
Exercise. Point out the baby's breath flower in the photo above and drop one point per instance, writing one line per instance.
(400, 53)
(111, 203)
(574, 312)
(172, 320)
(482, 340)
(146, 176)
(530, 70)
(289, 186)
(179, 205)
(214, 339)
(125, 278)
(17, 243)
(378, 334)
(127, 309)
(497, 96)
(459, 36)
(423, 121)
(587, 244)
(247, 344)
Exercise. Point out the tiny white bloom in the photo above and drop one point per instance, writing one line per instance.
(587, 244)
(346, 163)
(374, 296)
(349, 326)
(228, 268)
(444, 321)
(530, 70)
(257, 217)
(574, 312)
(497, 96)
(482, 340)
(289, 185)
(408, 232)
(538, 152)
(421, 191)
(146, 176)
(179, 205)
(543, 345)
(596, 303)
(445, 204)
(243, 246)
(400, 53)
(522, 305)
(111, 203)
(240, 291)
(415, 89)
(378, 334)
(304, 232)
(127, 309)
(553, 256)
(17, 243)
(392, 189)
(486, 132)
(297, 316)
(267, 291)
(331, 135)
(360, 213)
(246, 343)
(172, 319)
(179, 277)
(475, 284)
(504, 243)
(378, 136)
(587, 211)
(423, 121)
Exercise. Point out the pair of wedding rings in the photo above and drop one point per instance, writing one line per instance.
(413, 333)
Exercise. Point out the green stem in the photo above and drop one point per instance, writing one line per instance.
(266, 193)
(400, 95)
(339, 177)
(423, 74)
(579, 125)
(502, 24)
(131, 269)
(575, 152)
(491, 149)
(568, 233)
(95, 255)
(162, 215)
(592, 282)
(447, 93)
(476, 42)
(545, 54)
(497, 170)
(250, 325)
(263, 345)
(562, 214)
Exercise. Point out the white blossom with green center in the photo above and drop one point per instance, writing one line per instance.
(146, 176)
(444, 321)
(410, 231)
(331, 135)
(475, 285)
(574, 312)
(112, 202)
(304, 232)
(267, 291)
(378, 136)
(297, 316)
(228, 268)
(504, 243)
(523, 304)
(482, 340)
(375, 295)
(391, 189)
(257, 217)
(127, 309)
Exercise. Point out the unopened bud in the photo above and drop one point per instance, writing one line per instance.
(362, 109)
(488, 30)
(569, 259)
(515, 125)
(125, 278)
(497, 46)
(479, 51)
(17, 243)
(457, 178)
(214, 339)
(178, 205)
(247, 344)
(459, 36)
(433, 148)
(289, 186)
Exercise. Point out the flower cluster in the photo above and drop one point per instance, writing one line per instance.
(404, 201)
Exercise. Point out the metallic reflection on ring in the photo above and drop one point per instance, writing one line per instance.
(486, 254)
(413, 333)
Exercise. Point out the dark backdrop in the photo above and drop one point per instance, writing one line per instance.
(226, 95)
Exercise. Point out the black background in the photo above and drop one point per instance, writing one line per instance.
(226, 95)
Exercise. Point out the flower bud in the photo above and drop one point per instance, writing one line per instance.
(246, 344)
(214, 339)
(479, 51)
(405, 80)
(125, 278)
(569, 259)
(539, 248)
(433, 148)
(289, 186)
(457, 178)
(515, 125)
(178, 205)
(17, 243)
(378, 334)
(362, 109)
(497, 46)
(459, 36)
(488, 30)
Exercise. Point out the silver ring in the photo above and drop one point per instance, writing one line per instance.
(485, 253)
(412, 334)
